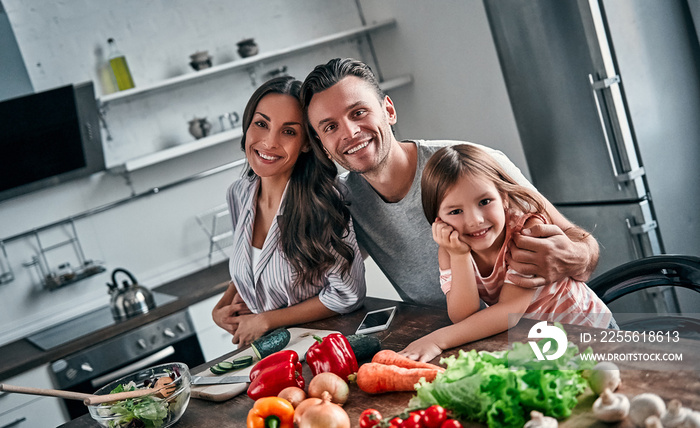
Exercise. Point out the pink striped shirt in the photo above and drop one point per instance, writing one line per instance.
(567, 301)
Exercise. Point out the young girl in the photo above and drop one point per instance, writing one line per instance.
(295, 257)
(475, 208)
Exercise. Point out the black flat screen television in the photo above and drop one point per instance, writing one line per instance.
(48, 138)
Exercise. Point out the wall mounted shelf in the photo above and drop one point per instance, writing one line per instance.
(242, 64)
(219, 138)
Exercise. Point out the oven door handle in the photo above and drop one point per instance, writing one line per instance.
(135, 366)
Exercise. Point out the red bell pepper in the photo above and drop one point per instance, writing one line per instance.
(274, 373)
(332, 354)
(273, 360)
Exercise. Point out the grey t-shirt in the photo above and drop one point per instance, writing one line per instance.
(397, 235)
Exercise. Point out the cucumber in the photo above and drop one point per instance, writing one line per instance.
(270, 343)
(364, 346)
(242, 362)
(217, 370)
(226, 366)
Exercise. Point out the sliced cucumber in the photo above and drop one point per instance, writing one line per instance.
(216, 370)
(242, 362)
(226, 366)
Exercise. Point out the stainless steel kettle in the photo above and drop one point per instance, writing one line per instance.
(131, 299)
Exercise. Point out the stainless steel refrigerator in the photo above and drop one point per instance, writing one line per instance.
(606, 96)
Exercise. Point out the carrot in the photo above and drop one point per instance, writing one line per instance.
(375, 378)
(388, 356)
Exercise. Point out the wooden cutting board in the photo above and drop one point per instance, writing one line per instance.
(301, 340)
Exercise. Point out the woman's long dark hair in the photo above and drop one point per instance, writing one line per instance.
(315, 219)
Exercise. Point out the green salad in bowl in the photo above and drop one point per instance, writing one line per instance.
(158, 410)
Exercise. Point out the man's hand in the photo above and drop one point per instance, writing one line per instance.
(545, 251)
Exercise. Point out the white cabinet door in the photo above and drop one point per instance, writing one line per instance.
(28, 411)
(40, 412)
(214, 341)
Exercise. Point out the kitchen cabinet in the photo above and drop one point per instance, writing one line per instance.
(28, 411)
(128, 156)
(213, 340)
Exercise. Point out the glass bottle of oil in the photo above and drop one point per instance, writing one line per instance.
(117, 62)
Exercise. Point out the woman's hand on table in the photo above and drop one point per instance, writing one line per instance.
(423, 350)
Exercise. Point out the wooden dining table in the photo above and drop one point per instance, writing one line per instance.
(410, 322)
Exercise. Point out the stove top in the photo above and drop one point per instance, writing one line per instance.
(83, 325)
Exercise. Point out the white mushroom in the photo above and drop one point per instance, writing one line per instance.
(603, 375)
(675, 415)
(692, 420)
(538, 420)
(653, 421)
(644, 405)
(611, 407)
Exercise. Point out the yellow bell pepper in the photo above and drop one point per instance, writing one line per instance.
(271, 412)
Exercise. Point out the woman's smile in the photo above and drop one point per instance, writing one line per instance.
(267, 157)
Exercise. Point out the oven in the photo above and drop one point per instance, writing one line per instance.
(168, 339)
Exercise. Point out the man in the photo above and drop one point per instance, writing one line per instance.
(350, 119)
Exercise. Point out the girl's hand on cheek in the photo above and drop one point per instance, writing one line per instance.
(448, 238)
(457, 246)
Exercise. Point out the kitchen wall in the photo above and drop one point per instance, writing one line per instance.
(13, 73)
(458, 92)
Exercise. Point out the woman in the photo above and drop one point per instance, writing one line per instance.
(295, 258)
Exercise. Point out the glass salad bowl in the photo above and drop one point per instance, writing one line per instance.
(159, 410)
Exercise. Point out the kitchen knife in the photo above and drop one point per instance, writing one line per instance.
(217, 380)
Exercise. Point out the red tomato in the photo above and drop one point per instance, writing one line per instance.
(414, 420)
(434, 416)
(370, 418)
(451, 423)
(396, 422)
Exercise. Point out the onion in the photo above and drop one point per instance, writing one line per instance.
(324, 414)
(293, 394)
(331, 382)
(303, 406)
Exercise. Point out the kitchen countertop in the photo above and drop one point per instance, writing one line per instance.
(411, 322)
(21, 355)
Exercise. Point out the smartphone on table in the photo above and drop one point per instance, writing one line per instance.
(377, 320)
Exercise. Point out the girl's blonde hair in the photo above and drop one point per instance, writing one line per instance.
(449, 164)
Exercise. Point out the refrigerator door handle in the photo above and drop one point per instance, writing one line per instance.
(641, 229)
(599, 85)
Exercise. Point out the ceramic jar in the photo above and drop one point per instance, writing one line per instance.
(200, 60)
(199, 127)
(247, 48)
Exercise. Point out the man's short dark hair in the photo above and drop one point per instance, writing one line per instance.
(326, 75)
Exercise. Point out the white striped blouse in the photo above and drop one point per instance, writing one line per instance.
(268, 285)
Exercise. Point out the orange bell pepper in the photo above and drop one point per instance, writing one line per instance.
(271, 412)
